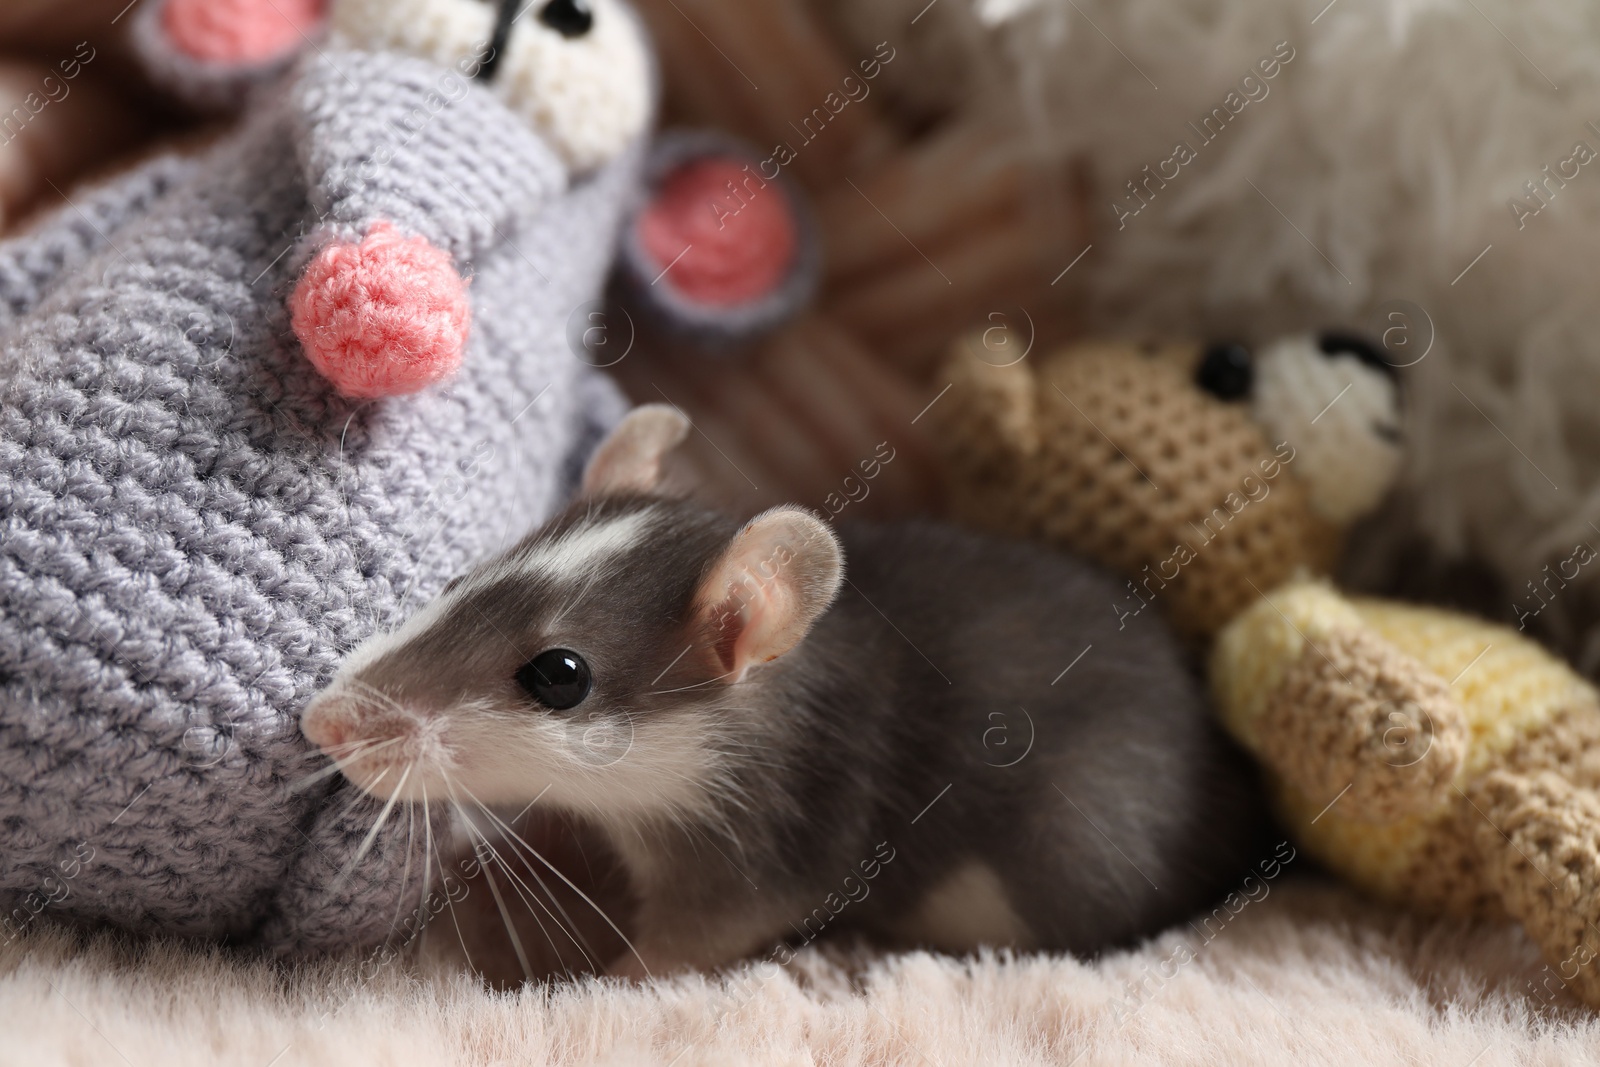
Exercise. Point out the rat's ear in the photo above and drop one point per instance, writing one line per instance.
(774, 580)
(629, 461)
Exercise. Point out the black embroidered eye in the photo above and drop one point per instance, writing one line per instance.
(1335, 343)
(559, 679)
(1227, 371)
(569, 18)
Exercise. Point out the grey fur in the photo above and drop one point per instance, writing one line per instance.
(1128, 811)
(194, 528)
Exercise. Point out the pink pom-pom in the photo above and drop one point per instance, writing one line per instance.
(241, 31)
(384, 317)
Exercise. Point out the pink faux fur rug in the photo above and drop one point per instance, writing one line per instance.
(1308, 974)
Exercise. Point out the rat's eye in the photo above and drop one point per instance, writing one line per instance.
(569, 18)
(1227, 371)
(558, 678)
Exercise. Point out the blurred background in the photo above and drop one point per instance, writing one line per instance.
(932, 219)
(993, 182)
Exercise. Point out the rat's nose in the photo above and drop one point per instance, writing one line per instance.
(322, 729)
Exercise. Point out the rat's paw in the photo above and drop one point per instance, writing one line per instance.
(384, 317)
(241, 31)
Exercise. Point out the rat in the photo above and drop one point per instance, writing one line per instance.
(928, 735)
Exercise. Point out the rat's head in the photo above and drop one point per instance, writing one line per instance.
(1205, 473)
(578, 71)
(604, 663)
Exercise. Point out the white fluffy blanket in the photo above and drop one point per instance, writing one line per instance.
(1440, 152)
(1306, 975)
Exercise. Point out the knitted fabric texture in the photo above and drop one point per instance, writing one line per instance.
(587, 96)
(1502, 816)
(384, 317)
(1109, 450)
(195, 527)
(1445, 872)
(1346, 467)
(1356, 718)
(1544, 858)
(1511, 692)
(216, 56)
(1429, 757)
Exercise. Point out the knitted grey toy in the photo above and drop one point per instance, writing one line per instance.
(195, 524)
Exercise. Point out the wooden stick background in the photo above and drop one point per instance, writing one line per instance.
(927, 234)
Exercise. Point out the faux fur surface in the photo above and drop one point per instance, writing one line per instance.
(1306, 973)
(1439, 153)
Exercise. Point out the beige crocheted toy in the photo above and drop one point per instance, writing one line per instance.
(1431, 758)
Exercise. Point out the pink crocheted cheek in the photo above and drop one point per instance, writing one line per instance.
(241, 31)
(384, 317)
(740, 233)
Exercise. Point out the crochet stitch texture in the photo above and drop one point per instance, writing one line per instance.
(194, 526)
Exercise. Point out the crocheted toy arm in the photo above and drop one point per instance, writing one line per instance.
(1539, 825)
(412, 173)
(1336, 710)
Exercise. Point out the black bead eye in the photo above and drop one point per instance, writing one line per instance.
(1226, 371)
(1335, 343)
(569, 18)
(559, 679)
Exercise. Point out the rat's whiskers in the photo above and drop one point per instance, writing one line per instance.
(405, 870)
(574, 887)
(565, 922)
(531, 899)
(372, 834)
(488, 876)
(341, 762)
(444, 880)
(384, 700)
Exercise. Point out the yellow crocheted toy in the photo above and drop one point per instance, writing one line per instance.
(1431, 758)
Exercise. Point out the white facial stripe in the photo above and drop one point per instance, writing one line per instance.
(377, 646)
(570, 559)
(573, 557)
